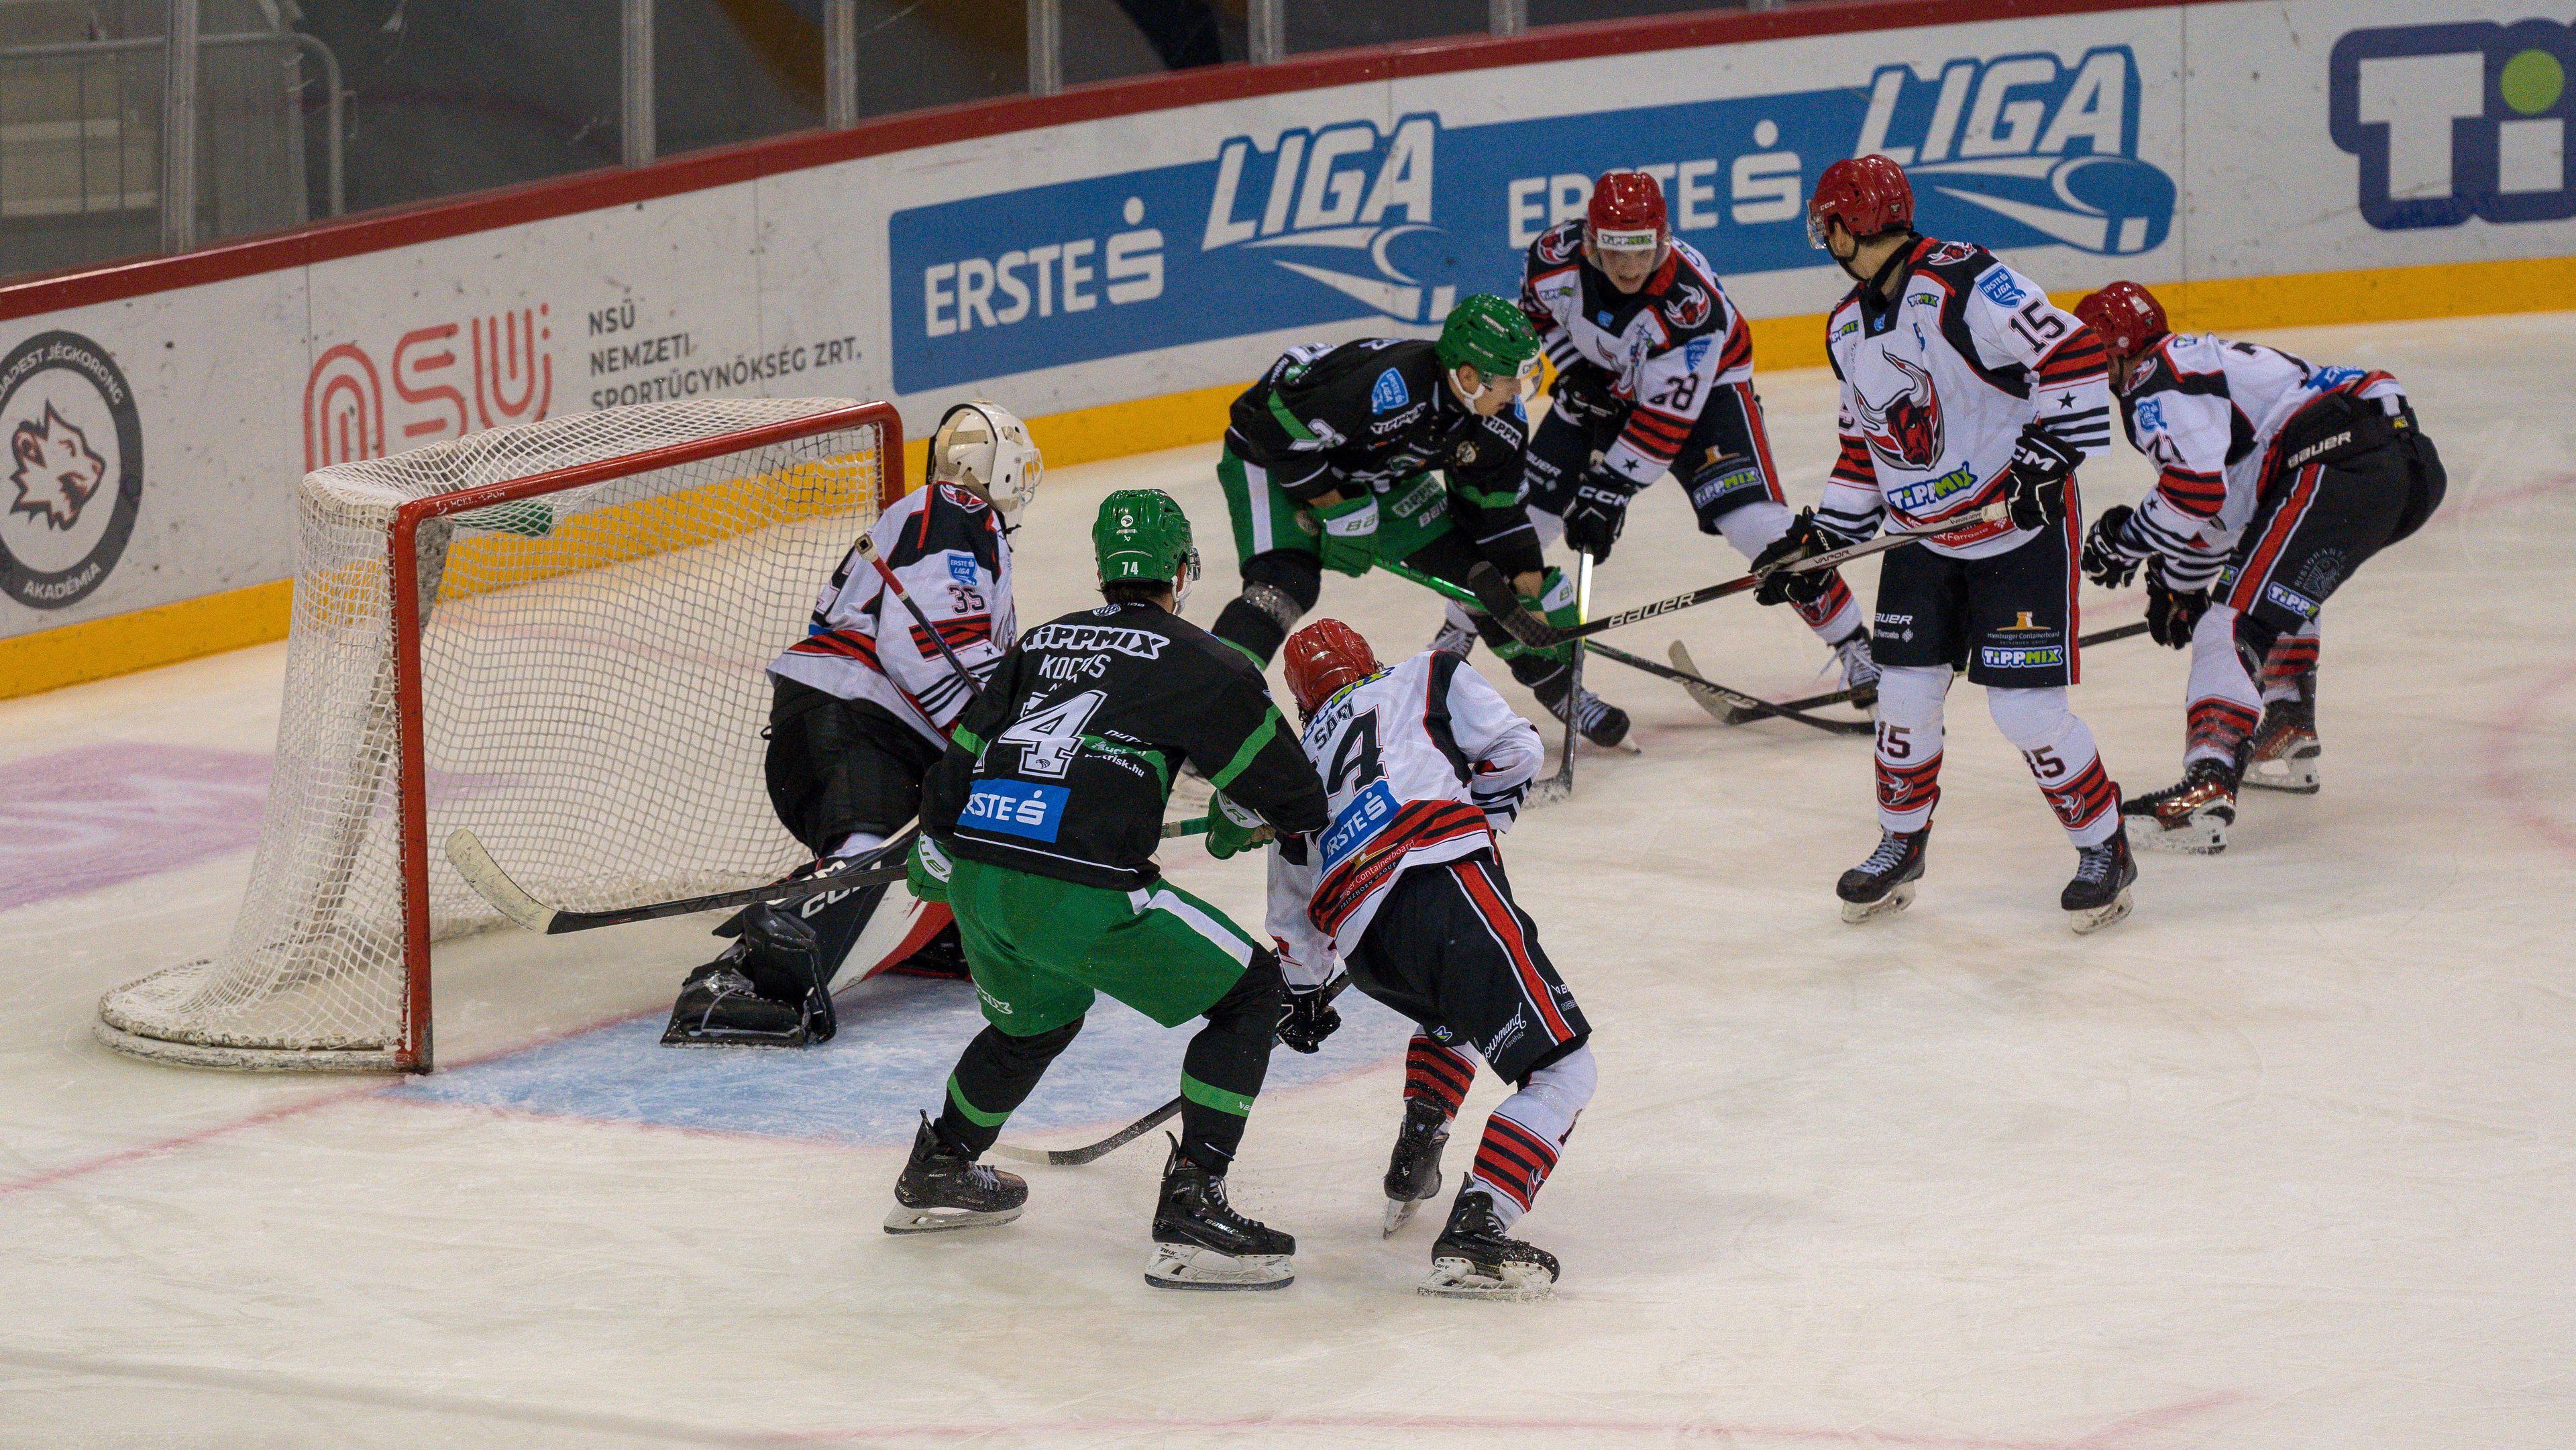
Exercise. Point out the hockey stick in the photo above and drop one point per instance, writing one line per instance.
(1740, 715)
(1560, 786)
(868, 551)
(466, 852)
(1076, 1157)
(1494, 592)
(1716, 698)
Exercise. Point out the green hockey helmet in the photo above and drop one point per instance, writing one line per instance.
(1492, 336)
(1141, 534)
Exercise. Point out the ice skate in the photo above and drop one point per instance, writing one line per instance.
(1200, 1242)
(1455, 636)
(1860, 670)
(2099, 894)
(2191, 817)
(1413, 1172)
(2286, 749)
(1474, 1259)
(1884, 884)
(1600, 722)
(942, 1188)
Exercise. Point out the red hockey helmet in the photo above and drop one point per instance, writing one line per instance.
(1867, 194)
(1626, 214)
(2127, 317)
(1323, 657)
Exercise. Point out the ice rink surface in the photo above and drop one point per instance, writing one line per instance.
(2283, 1160)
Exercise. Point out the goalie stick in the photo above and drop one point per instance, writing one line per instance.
(1093, 1153)
(466, 852)
(1494, 592)
(868, 551)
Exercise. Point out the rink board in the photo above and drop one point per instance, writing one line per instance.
(1115, 257)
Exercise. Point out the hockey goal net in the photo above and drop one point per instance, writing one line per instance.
(554, 635)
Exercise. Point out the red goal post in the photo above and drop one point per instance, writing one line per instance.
(560, 639)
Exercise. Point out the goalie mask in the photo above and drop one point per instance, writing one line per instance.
(984, 447)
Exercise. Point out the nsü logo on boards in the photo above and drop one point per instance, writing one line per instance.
(1353, 220)
(2456, 121)
(71, 481)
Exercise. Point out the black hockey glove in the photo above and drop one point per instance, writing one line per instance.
(2113, 551)
(1598, 512)
(2041, 464)
(1308, 1019)
(1587, 397)
(2171, 616)
(1804, 540)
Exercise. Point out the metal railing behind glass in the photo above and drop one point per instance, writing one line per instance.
(82, 164)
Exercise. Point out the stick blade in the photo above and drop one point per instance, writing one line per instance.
(1701, 695)
(494, 885)
(1495, 594)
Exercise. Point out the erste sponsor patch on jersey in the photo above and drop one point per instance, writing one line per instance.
(1358, 823)
(1016, 808)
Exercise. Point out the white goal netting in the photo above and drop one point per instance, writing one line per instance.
(592, 695)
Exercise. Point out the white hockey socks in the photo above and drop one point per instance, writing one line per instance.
(857, 843)
(1528, 1131)
(2224, 707)
(2059, 750)
(1909, 744)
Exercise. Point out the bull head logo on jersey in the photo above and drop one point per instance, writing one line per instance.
(1904, 431)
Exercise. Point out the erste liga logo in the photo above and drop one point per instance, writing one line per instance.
(71, 469)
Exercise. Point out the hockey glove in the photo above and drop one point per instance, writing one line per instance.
(2113, 551)
(1597, 514)
(1349, 541)
(2172, 615)
(1587, 397)
(1554, 603)
(1308, 1019)
(925, 871)
(1231, 828)
(2036, 481)
(1805, 539)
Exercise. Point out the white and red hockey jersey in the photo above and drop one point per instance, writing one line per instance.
(1422, 762)
(2208, 413)
(1669, 346)
(946, 544)
(1937, 384)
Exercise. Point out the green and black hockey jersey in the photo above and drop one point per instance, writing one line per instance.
(1063, 766)
(1366, 416)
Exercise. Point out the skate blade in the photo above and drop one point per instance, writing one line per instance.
(2290, 777)
(945, 1220)
(1399, 1212)
(2086, 923)
(1461, 1279)
(1186, 1266)
(1893, 902)
(2192, 840)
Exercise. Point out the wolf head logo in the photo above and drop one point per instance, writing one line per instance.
(1905, 431)
(56, 470)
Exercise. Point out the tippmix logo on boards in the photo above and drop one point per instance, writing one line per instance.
(1396, 221)
(2456, 121)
